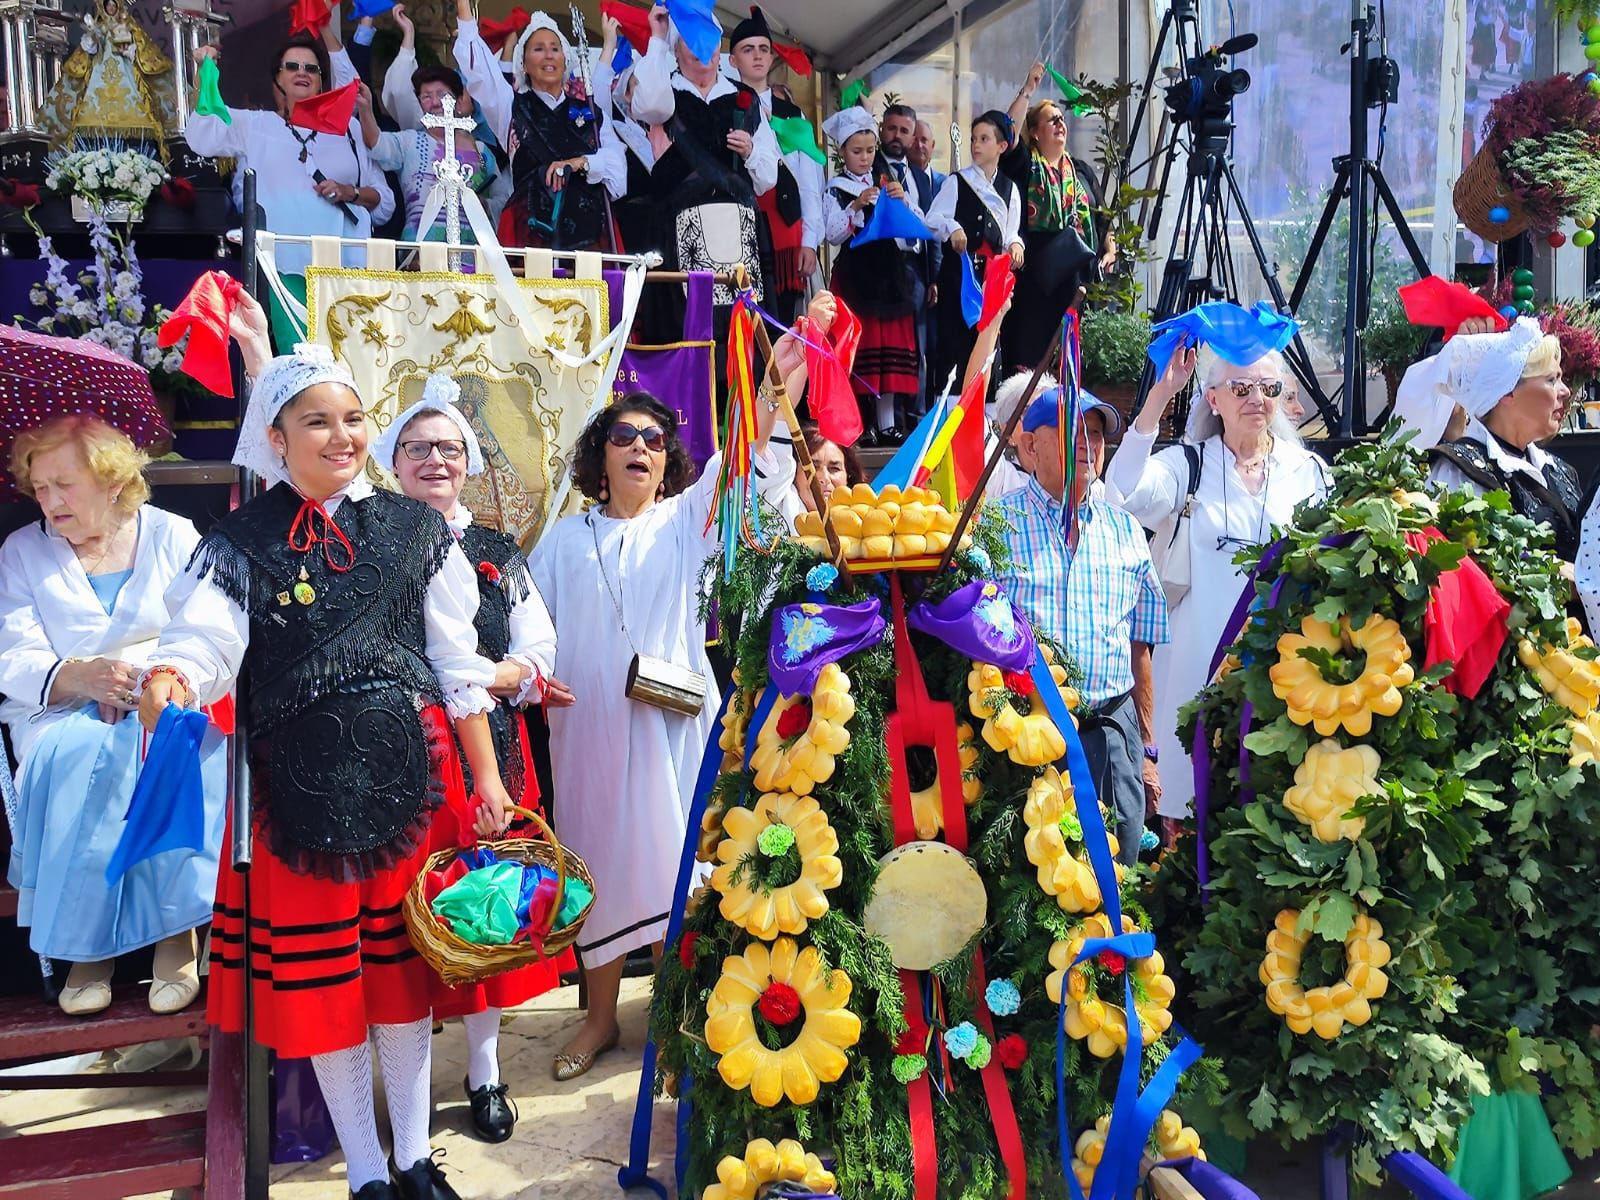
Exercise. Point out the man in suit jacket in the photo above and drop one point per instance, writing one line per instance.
(895, 137)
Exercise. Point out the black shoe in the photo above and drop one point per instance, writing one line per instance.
(378, 1189)
(892, 436)
(422, 1180)
(494, 1116)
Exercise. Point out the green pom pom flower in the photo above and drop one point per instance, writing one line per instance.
(775, 841)
(908, 1067)
(981, 1052)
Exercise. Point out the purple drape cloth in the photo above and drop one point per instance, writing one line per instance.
(302, 1129)
(981, 622)
(1210, 1182)
(680, 375)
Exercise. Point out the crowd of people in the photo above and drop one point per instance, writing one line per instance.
(388, 645)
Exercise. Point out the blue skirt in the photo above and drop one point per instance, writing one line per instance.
(73, 795)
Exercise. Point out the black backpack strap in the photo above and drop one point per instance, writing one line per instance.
(1472, 461)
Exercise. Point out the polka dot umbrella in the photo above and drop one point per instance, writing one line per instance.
(43, 377)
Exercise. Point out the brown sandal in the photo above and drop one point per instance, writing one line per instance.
(570, 1066)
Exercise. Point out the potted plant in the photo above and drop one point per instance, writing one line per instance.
(1538, 164)
(1114, 345)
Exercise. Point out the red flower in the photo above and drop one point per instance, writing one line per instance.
(1012, 1051)
(489, 571)
(794, 721)
(1019, 682)
(780, 1003)
(16, 194)
(744, 101)
(686, 949)
(178, 192)
(912, 1041)
(1112, 961)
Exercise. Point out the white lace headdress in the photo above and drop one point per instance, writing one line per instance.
(280, 381)
(1473, 370)
(439, 395)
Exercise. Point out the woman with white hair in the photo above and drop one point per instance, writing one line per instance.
(431, 449)
(562, 170)
(1241, 470)
(1481, 406)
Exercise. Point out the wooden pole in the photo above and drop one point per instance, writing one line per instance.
(967, 509)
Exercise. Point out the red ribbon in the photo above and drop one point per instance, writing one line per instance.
(496, 34)
(304, 535)
(1465, 623)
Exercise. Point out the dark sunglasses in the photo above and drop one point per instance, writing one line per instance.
(310, 68)
(1270, 388)
(419, 451)
(1056, 119)
(622, 434)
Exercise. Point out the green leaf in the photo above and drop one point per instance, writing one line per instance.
(1263, 1109)
(1276, 738)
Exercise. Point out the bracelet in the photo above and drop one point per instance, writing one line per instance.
(183, 680)
(764, 394)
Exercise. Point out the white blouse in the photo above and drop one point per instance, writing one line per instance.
(1007, 214)
(207, 633)
(533, 633)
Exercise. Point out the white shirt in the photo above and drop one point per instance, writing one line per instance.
(533, 634)
(807, 173)
(285, 187)
(207, 633)
(657, 78)
(839, 221)
(1531, 463)
(1007, 213)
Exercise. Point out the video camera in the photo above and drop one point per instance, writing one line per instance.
(1204, 96)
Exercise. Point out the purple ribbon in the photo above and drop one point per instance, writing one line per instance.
(807, 637)
(979, 621)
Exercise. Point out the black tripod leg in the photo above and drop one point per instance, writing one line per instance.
(1341, 184)
(1401, 226)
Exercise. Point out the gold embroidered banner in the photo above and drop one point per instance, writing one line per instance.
(393, 329)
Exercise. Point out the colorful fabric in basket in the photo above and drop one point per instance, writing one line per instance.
(493, 902)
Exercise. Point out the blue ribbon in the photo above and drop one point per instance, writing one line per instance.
(623, 58)
(637, 1171)
(971, 293)
(1422, 1178)
(697, 26)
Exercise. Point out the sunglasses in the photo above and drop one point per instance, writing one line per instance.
(1055, 119)
(419, 451)
(1270, 388)
(309, 68)
(622, 435)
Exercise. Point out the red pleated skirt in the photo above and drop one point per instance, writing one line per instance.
(535, 979)
(887, 357)
(329, 958)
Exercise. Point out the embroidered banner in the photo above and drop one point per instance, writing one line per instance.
(393, 329)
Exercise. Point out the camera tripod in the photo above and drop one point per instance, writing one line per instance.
(1353, 173)
(1199, 263)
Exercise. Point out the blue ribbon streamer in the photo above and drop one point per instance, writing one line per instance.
(1422, 1178)
(167, 808)
(971, 293)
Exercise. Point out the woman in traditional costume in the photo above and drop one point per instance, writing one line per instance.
(978, 212)
(351, 612)
(431, 448)
(307, 183)
(622, 583)
(559, 172)
(874, 280)
(81, 604)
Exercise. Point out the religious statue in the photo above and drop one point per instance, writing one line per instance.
(116, 84)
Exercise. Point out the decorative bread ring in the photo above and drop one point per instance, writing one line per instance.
(817, 1053)
(788, 758)
(1102, 1025)
(1030, 740)
(927, 804)
(1327, 784)
(764, 1163)
(1054, 844)
(748, 836)
(1315, 700)
(1324, 1011)
(1567, 678)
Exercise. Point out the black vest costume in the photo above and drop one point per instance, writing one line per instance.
(335, 687)
(877, 278)
(985, 240)
(545, 135)
(1558, 504)
(496, 598)
(788, 187)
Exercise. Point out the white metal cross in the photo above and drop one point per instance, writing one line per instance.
(451, 172)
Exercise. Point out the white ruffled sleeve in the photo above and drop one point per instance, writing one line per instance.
(533, 645)
(448, 610)
(205, 638)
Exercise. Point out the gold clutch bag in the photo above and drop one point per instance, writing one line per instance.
(666, 685)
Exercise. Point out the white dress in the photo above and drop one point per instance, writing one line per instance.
(1153, 489)
(625, 771)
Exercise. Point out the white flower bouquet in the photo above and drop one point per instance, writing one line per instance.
(105, 175)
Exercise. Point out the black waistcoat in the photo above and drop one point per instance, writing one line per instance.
(876, 278)
(977, 219)
(335, 686)
(787, 189)
(498, 592)
(1559, 504)
(545, 135)
(698, 168)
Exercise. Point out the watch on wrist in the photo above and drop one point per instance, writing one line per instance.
(1152, 753)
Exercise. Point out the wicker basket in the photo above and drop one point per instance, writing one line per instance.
(458, 961)
(1482, 188)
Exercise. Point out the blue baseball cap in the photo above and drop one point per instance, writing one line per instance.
(1044, 407)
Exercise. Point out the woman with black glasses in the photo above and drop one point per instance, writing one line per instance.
(1240, 470)
(622, 582)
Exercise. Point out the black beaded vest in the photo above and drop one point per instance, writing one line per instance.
(1558, 502)
(545, 135)
(336, 675)
(878, 278)
(499, 591)
(698, 168)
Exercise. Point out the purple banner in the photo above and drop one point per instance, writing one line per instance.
(680, 375)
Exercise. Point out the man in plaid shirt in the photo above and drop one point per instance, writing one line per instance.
(1096, 595)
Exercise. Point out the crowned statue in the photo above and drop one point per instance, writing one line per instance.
(116, 84)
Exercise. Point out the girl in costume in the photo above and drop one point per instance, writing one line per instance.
(350, 612)
(622, 584)
(876, 279)
(978, 211)
(559, 169)
(431, 449)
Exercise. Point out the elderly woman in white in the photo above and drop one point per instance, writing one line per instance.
(1241, 470)
(82, 601)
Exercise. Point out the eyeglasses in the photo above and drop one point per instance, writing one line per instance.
(1056, 119)
(309, 68)
(419, 451)
(622, 435)
(1270, 388)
